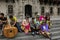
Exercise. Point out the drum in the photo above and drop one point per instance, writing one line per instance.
(9, 31)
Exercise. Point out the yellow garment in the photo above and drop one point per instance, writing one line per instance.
(22, 27)
(41, 22)
(14, 18)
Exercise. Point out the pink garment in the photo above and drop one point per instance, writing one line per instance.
(26, 24)
(41, 18)
(27, 27)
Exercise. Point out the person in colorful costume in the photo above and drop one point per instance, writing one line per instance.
(37, 24)
(44, 29)
(33, 26)
(47, 17)
(13, 21)
(41, 17)
(26, 25)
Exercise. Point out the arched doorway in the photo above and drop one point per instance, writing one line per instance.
(28, 10)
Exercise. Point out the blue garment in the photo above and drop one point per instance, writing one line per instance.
(44, 27)
(18, 26)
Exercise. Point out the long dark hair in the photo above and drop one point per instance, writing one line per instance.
(47, 16)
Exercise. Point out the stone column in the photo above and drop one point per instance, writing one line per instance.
(47, 9)
(15, 8)
(21, 10)
(55, 10)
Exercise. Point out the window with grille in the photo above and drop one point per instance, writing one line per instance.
(51, 10)
(42, 10)
(41, 1)
(10, 9)
(50, 2)
(58, 11)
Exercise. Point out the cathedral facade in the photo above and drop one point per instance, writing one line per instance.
(22, 8)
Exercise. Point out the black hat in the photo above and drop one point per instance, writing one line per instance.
(2, 14)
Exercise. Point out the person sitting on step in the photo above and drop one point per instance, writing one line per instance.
(3, 22)
(26, 25)
(47, 17)
(37, 24)
(44, 29)
(13, 21)
(42, 17)
(33, 26)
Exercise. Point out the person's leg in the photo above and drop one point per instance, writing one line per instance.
(32, 31)
(37, 29)
(47, 34)
(26, 31)
(18, 26)
(2, 27)
(44, 34)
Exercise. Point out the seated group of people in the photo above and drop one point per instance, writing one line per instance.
(38, 24)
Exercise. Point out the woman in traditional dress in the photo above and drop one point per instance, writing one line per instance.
(44, 29)
(26, 25)
(41, 17)
(47, 17)
(37, 24)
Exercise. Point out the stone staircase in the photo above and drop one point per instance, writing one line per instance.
(55, 28)
(55, 33)
(22, 36)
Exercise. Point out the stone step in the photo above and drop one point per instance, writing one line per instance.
(55, 29)
(55, 23)
(43, 39)
(55, 20)
(36, 36)
(24, 36)
(55, 32)
(55, 37)
(54, 26)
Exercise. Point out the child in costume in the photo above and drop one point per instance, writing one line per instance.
(41, 17)
(37, 24)
(48, 20)
(33, 26)
(26, 25)
(44, 29)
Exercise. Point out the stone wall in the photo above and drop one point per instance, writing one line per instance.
(19, 8)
